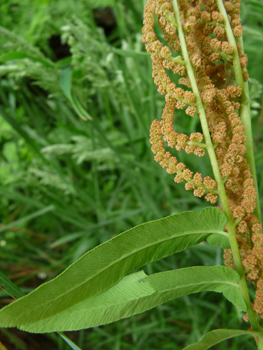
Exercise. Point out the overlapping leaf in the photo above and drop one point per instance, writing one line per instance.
(136, 293)
(217, 240)
(104, 266)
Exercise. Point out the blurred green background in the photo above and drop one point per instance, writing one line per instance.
(76, 103)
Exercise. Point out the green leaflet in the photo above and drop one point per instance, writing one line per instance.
(136, 293)
(122, 300)
(9, 287)
(105, 265)
(199, 278)
(216, 336)
(220, 241)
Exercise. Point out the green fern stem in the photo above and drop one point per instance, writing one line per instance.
(220, 184)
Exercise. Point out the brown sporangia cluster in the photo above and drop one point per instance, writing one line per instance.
(211, 57)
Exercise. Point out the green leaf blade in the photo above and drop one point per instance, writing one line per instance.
(197, 279)
(69, 342)
(9, 287)
(105, 265)
(21, 55)
(137, 293)
(217, 240)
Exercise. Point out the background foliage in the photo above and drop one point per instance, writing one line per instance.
(76, 103)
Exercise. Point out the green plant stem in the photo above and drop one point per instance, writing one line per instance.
(245, 106)
(260, 344)
(221, 189)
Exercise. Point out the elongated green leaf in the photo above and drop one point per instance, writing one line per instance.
(121, 300)
(136, 293)
(28, 217)
(9, 287)
(216, 336)
(21, 55)
(105, 265)
(65, 83)
(69, 342)
(195, 279)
